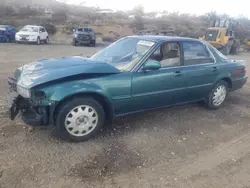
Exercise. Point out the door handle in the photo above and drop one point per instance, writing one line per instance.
(177, 73)
(214, 69)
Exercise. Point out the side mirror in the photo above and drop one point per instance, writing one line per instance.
(151, 65)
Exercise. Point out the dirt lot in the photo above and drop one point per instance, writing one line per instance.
(186, 146)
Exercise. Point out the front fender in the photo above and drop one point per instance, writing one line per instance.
(62, 91)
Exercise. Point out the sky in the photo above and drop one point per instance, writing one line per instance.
(198, 7)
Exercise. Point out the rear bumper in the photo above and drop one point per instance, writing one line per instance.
(239, 83)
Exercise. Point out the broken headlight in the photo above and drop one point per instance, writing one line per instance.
(23, 91)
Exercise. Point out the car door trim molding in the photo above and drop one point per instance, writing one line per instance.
(157, 92)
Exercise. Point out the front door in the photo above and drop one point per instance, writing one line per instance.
(42, 34)
(163, 87)
(200, 68)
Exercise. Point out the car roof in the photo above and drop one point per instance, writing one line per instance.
(157, 38)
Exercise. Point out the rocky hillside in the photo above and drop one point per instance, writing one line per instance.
(60, 19)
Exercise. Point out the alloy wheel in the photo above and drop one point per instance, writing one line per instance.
(81, 120)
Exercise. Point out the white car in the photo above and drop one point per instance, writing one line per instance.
(32, 34)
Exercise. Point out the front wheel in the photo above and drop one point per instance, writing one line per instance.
(217, 96)
(79, 119)
(225, 49)
(38, 41)
(93, 43)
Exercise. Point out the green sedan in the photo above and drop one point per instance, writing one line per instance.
(136, 73)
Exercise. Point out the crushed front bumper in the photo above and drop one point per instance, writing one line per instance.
(31, 114)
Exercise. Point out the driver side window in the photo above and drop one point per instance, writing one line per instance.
(168, 54)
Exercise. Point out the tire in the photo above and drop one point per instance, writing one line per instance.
(74, 43)
(235, 48)
(47, 40)
(213, 102)
(38, 41)
(8, 40)
(225, 49)
(93, 43)
(78, 109)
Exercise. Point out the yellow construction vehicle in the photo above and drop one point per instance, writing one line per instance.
(222, 36)
(248, 45)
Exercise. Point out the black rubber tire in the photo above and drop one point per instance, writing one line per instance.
(225, 49)
(235, 48)
(65, 108)
(209, 101)
(74, 43)
(93, 43)
(38, 41)
(47, 40)
(8, 40)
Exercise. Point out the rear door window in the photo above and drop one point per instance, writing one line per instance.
(196, 53)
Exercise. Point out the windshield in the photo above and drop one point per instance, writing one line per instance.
(29, 29)
(82, 29)
(125, 53)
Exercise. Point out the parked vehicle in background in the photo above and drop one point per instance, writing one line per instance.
(248, 45)
(223, 37)
(133, 74)
(7, 33)
(32, 34)
(84, 35)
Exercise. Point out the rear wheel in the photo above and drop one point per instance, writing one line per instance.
(217, 96)
(79, 119)
(47, 40)
(8, 40)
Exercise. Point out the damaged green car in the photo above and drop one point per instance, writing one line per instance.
(137, 73)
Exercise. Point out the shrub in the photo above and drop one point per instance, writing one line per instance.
(108, 39)
(59, 16)
(51, 29)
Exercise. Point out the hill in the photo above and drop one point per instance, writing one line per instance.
(60, 19)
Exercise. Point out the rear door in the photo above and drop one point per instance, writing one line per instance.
(200, 68)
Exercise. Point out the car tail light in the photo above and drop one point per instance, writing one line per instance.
(240, 71)
(245, 71)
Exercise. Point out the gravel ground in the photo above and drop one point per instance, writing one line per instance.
(187, 146)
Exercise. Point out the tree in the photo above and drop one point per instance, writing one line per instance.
(138, 12)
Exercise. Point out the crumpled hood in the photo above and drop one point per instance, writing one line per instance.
(47, 70)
